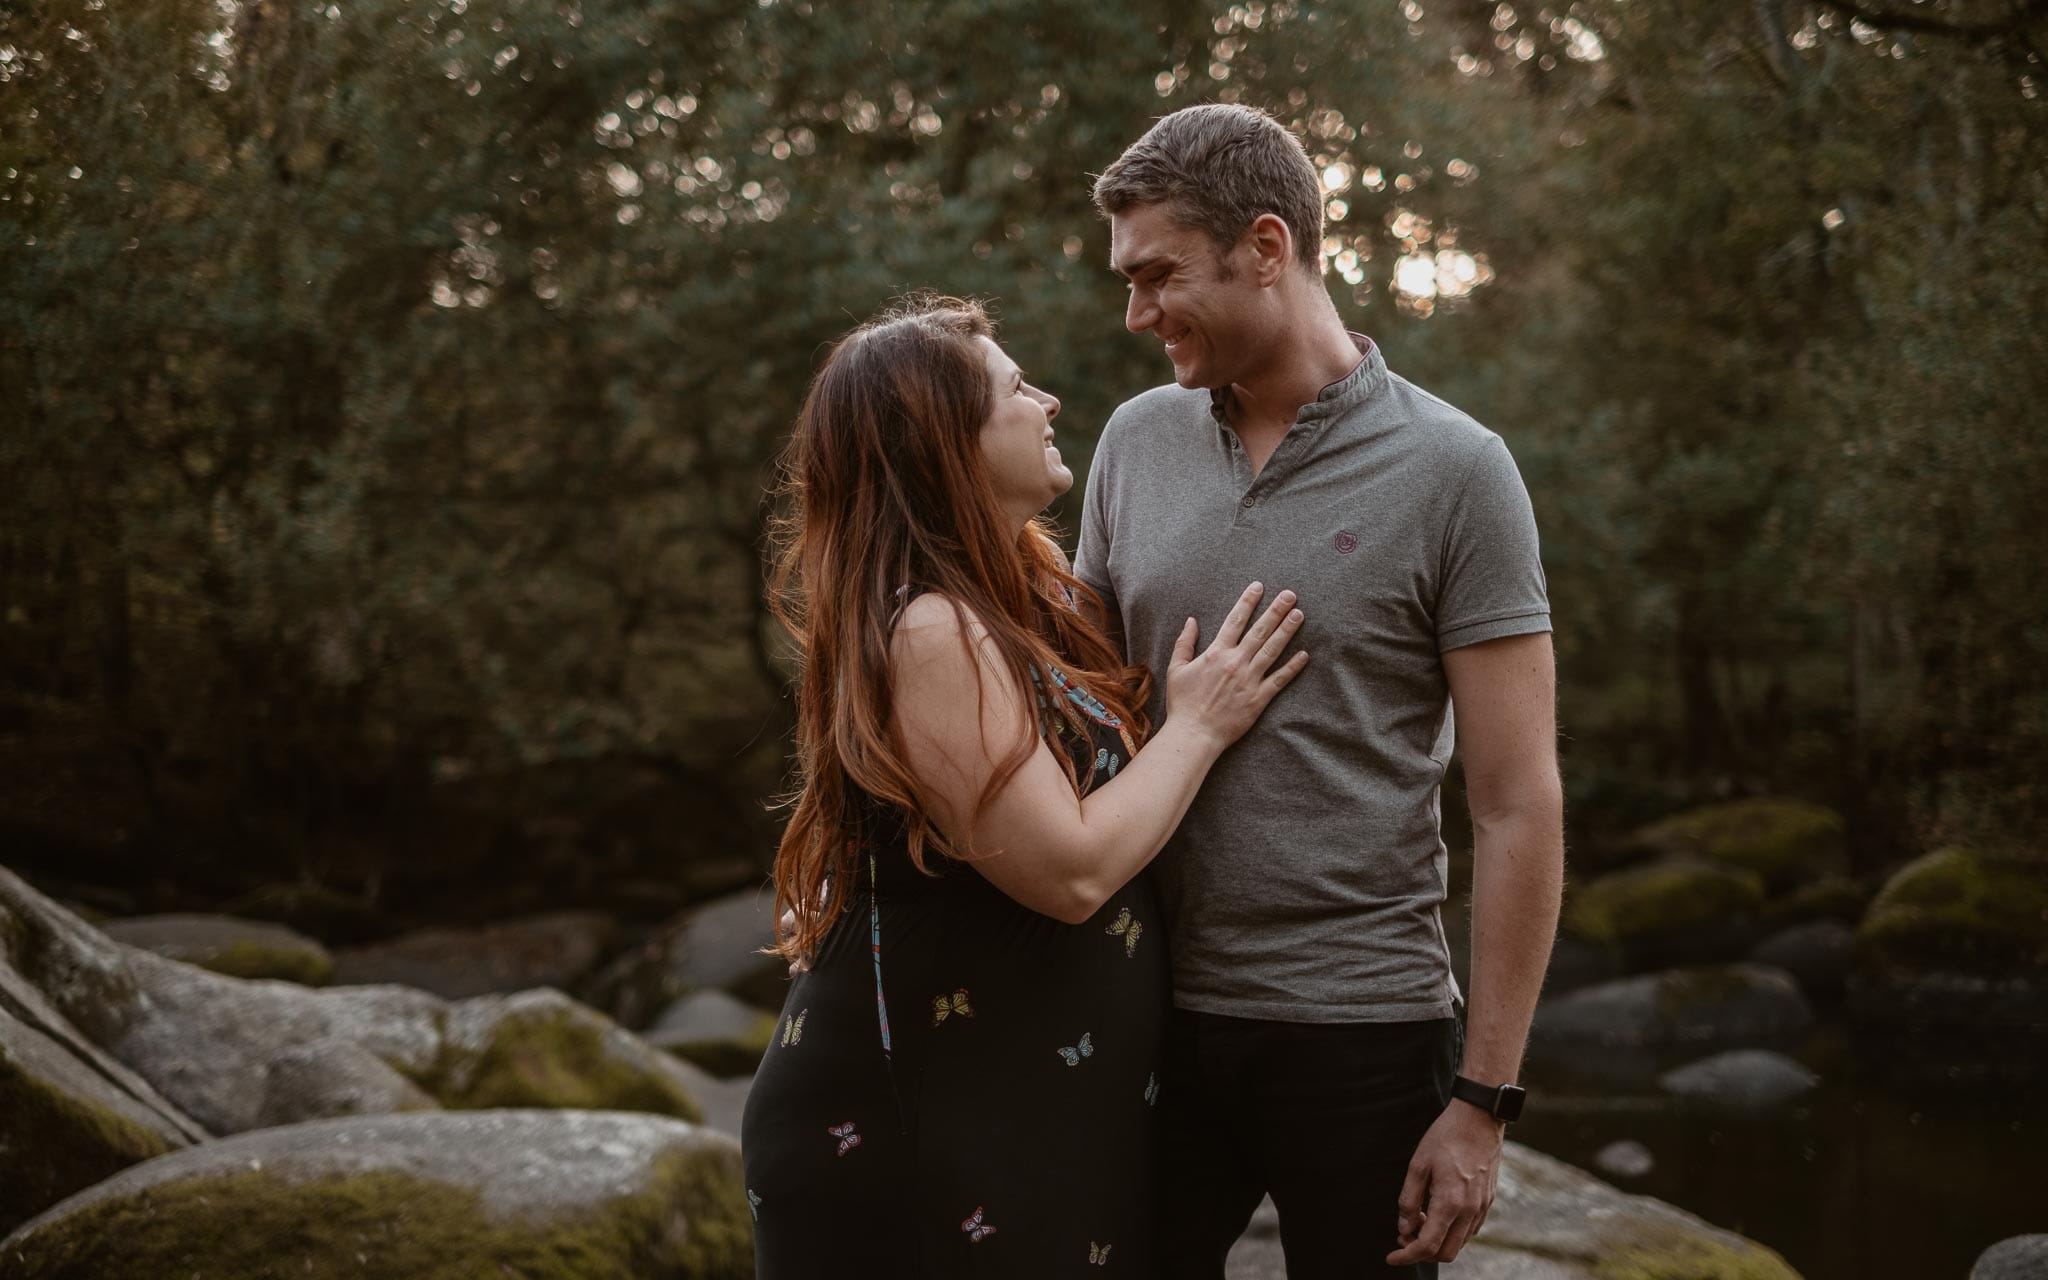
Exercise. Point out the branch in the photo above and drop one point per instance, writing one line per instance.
(2021, 13)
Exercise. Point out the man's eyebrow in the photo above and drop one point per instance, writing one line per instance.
(1132, 270)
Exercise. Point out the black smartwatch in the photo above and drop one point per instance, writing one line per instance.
(1502, 1102)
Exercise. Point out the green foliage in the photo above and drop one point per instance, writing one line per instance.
(390, 388)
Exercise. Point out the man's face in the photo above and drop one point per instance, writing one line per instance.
(1193, 297)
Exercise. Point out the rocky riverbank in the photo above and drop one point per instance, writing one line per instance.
(177, 1118)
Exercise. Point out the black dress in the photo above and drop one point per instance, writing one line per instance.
(960, 1086)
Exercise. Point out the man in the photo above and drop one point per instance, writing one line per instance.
(1314, 1038)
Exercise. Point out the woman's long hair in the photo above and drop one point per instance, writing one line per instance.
(884, 487)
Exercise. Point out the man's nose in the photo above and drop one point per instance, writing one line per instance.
(1051, 403)
(1139, 313)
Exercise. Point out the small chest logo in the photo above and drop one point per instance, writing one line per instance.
(1345, 541)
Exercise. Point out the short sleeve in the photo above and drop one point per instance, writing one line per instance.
(1492, 574)
(1091, 557)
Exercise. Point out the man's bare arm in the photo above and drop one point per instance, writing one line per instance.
(1504, 692)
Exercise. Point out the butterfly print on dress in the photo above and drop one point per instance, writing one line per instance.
(1073, 1055)
(848, 1139)
(1129, 928)
(944, 1007)
(976, 1229)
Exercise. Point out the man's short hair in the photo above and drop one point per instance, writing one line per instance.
(1218, 167)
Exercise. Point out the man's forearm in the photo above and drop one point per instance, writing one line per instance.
(1517, 884)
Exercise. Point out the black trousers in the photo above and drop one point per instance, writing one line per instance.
(1323, 1116)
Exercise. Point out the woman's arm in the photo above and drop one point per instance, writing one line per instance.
(962, 715)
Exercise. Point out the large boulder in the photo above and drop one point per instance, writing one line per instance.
(2018, 1258)
(1957, 911)
(1953, 956)
(1676, 911)
(1817, 953)
(558, 949)
(725, 1036)
(715, 946)
(66, 1126)
(1742, 1081)
(235, 1055)
(1717, 1005)
(438, 1196)
(228, 944)
(1552, 1222)
(1782, 842)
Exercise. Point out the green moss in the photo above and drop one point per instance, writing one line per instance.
(59, 1143)
(1661, 898)
(554, 1059)
(733, 1056)
(1957, 910)
(1783, 841)
(249, 958)
(690, 1223)
(1694, 1258)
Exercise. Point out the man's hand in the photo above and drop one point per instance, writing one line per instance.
(1450, 1184)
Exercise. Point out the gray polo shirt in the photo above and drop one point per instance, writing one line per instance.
(1305, 881)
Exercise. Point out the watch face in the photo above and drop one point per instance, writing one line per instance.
(1509, 1105)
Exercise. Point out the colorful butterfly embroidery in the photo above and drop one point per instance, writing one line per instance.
(793, 1030)
(944, 1007)
(1131, 929)
(1151, 1089)
(1098, 1255)
(753, 1204)
(976, 1229)
(1074, 1055)
(848, 1139)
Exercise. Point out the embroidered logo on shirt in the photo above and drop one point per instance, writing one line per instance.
(1345, 541)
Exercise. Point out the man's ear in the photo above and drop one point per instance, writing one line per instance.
(1272, 247)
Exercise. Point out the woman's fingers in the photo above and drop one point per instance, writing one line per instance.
(1284, 673)
(1269, 622)
(1240, 613)
(1183, 646)
(1269, 652)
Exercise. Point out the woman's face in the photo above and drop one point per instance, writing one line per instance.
(1016, 441)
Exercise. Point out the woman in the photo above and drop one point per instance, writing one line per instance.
(962, 1079)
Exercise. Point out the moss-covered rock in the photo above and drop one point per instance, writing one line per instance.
(1959, 911)
(1784, 842)
(1726, 1005)
(542, 1049)
(1552, 1220)
(726, 1037)
(229, 945)
(66, 1126)
(1830, 897)
(556, 949)
(236, 1055)
(1674, 911)
(439, 1196)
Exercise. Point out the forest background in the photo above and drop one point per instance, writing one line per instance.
(389, 390)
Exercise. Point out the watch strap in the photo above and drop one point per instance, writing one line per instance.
(1502, 1102)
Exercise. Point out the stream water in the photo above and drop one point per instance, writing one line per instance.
(1901, 1165)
